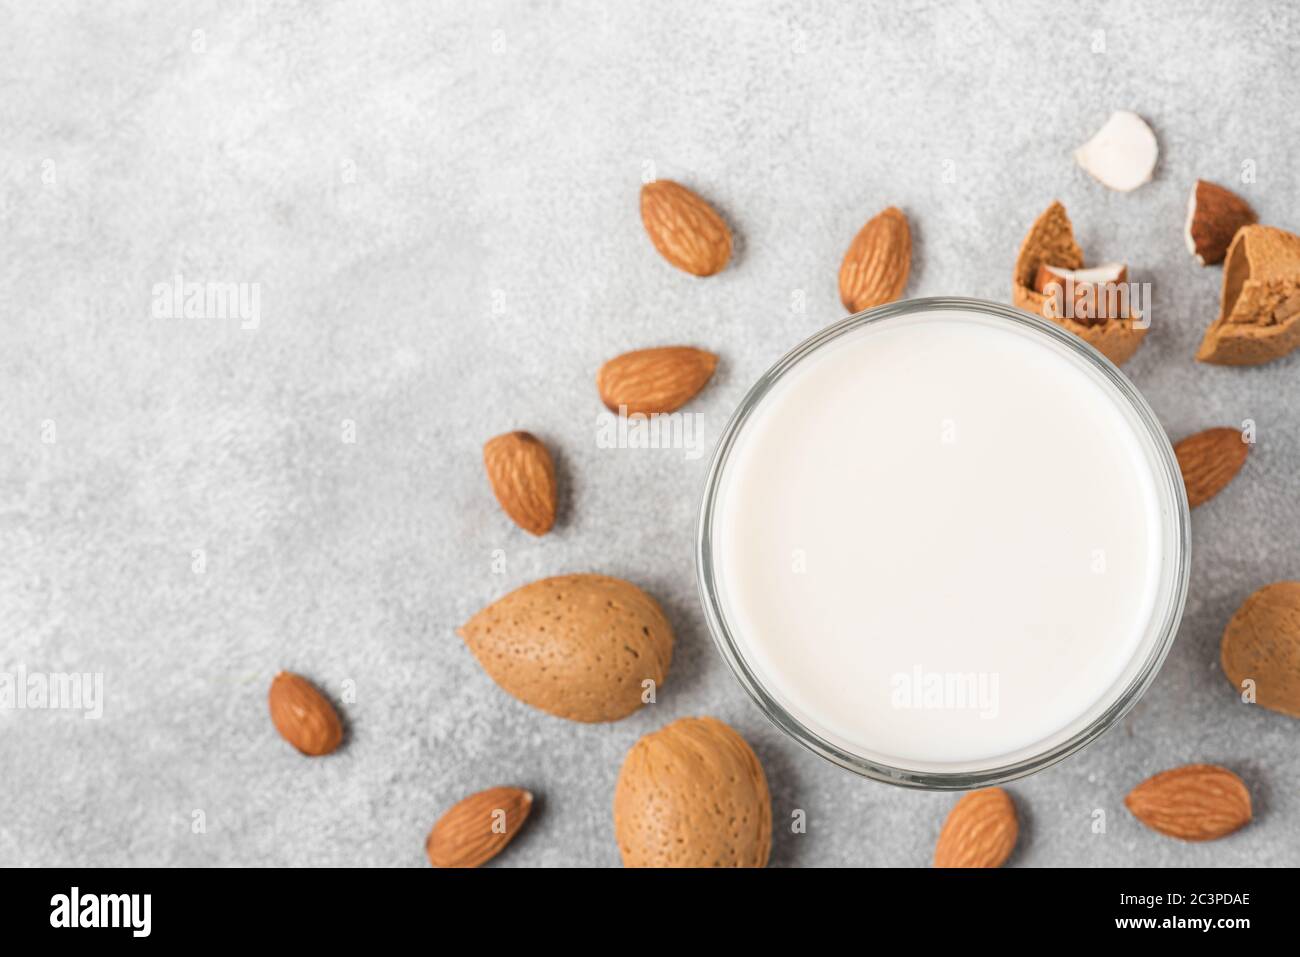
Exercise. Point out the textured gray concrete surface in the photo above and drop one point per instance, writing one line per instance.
(438, 203)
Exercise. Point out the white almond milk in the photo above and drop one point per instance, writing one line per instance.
(938, 540)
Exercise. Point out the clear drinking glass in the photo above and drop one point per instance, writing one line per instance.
(1123, 694)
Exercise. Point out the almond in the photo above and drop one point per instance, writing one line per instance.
(1098, 292)
(693, 794)
(1259, 306)
(478, 828)
(1197, 802)
(583, 647)
(1262, 644)
(1209, 460)
(980, 831)
(523, 479)
(303, 716)
(654, 380)
(1122, 154)
(1214, 215)
(879, 259)
(1050, 245)
(684, 228)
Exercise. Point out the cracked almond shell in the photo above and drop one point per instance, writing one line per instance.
(1050, 242)
(1259, 307)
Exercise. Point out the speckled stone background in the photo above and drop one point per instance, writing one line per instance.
(439, 202)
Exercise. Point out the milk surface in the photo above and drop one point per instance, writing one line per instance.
(938, 542)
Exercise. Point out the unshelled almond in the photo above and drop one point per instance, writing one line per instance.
(303, 716)
(876, 267)
(522, 474)
(980, 831)
(478, 828)
(693, 794)
(583, 647)
(685, 229)
(654, 380)
(1197, 802)
(1261, 645)
(1209, 460)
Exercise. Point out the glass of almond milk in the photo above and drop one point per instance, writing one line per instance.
(944, 543)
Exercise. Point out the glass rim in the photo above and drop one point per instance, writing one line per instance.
(1168, 476)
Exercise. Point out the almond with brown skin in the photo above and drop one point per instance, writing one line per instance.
(303, 716)
(1214, 215)
(1209, 460)
(478, 828)
(1262, 644)
(1099, 293)
(1197, 802)
(523, 478)
(684, 228)
(654, 380)
(876, 267)
(980, 831)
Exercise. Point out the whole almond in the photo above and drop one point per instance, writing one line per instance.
(1197, 802)
(583, 647)
(478, 828)
(1262, 644)
(980, 831)
(523, 478)
(303, 716)
(654, 380)
(875, 268)
(693, 794)
(1209, 460)
(684, 228)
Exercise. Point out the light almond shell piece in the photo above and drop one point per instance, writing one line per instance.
(877, 263)
(1262, 644)
(522, 474)
(1197, 802)
(650, 381)
(686, 230)
(303, 716)
(580, 647)
(477, 828)
(1259, 307)
(693, 794)
(1050, 242)
(980, 831)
